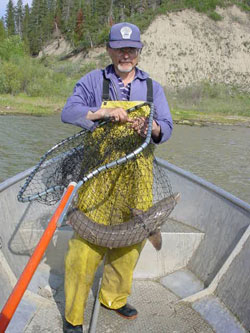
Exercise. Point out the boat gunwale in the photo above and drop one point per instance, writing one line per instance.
(15, 179)
(200, 181)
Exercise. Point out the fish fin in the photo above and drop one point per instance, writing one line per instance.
(156, 239)
(68, 216)
(177, 196)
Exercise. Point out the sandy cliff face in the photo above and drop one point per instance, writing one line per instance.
(188, 47)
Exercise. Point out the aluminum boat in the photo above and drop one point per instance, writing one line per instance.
(198, 282)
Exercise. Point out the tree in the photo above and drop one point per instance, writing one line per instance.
(40, 25)
(79, 24)
(111, 15)
(3, 34)
(25, 26)
(19, 17)
(84, 22)
(10, 19)
(67, 8)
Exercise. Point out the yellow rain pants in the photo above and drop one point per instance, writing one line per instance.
(83, 258)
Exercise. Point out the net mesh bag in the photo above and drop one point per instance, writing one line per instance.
(111, 197)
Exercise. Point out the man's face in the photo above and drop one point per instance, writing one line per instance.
(124, 59)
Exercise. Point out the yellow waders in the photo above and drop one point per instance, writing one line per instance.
(83, 258)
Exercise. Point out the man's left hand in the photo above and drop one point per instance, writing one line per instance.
(140, 125)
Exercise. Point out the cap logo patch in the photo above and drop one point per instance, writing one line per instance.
(126, 32)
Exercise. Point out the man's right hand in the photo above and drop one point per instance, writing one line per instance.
(115, 114)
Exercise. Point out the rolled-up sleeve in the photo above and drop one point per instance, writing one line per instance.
(162, 112)
(80, 103)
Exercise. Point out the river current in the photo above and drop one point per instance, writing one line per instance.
(219, 154)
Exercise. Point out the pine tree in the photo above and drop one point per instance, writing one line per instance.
(19, 17)
(79, 24)
(87, 38)
(58, 13)
(45, 21)
(51, 6)
(10, 19)
(74, 11)
(25, 25)
(52, 18)
(3, 33)
(67, 8)
(111, 15)
(35, 33)
(40, 25)
(102, 12)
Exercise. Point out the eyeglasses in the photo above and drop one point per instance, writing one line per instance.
(132, 51)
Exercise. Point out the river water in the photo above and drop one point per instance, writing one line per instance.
(219, 154)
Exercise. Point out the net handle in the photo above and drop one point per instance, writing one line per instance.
(30, 268)
(110, 165)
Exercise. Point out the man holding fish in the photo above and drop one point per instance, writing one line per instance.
(103, 94)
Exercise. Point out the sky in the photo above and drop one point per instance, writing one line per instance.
(3, 4)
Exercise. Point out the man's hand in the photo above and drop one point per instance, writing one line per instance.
(115, 114)
(140, 125)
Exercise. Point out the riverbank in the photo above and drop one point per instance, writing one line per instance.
(41, 106)
(195, 118)
(32, 106)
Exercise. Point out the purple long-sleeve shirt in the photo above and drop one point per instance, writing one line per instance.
(87, 96)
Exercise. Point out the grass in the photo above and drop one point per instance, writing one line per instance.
(26, 105)
(194, 105)
(54, 81)
(196, 118)
(210, 103)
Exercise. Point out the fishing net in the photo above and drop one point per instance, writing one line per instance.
(121, 197)
(119, 174)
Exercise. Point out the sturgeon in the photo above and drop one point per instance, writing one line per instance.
(141, 226)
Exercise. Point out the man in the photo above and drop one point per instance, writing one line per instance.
(125, 83)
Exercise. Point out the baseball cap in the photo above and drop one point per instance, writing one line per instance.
(124, 35)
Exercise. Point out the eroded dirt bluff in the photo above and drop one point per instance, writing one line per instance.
(188, 47)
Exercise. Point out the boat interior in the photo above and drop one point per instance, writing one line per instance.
(198, 282)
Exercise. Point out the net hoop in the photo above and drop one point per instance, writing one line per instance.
(21, 195)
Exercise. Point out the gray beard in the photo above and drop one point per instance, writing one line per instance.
(122, 70)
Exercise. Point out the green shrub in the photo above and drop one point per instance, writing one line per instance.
(27, 75)
(202, 6)
(101, 37)
(215, 16)
(103, 60)
(10, 78)
(87, 68)
(45, 82)
(68, 68)
(12, 47)
(208, 97)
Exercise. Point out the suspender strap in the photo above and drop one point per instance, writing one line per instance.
(149, 90)
(105, 89)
